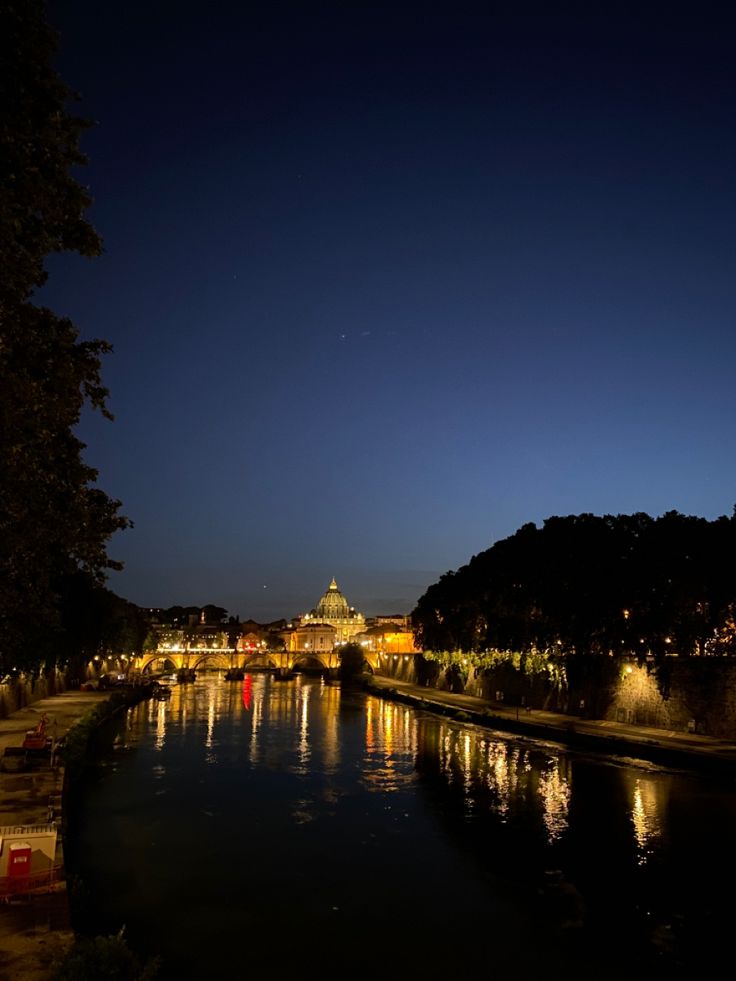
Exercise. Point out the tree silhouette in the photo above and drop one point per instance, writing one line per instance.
(53, 519)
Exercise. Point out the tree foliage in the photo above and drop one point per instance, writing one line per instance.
(92, 958)
(95, 621)
(53, 519)
(182, 616)
(584, 585)
(351, 657)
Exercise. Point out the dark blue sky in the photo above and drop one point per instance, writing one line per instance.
(383, 285)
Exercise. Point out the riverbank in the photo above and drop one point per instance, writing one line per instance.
(34, 930)
(662, 746)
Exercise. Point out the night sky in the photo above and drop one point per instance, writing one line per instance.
(385, 284)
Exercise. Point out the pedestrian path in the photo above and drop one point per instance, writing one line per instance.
(34, 931)
(681, 748)
(24, 796)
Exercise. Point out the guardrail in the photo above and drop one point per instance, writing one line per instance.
(36, 882)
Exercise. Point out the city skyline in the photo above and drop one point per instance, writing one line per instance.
(384, 286)
(312, 613)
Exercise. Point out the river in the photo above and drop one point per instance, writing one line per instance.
(297, 828)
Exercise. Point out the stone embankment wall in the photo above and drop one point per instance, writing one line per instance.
(695, 694)
(25, 690)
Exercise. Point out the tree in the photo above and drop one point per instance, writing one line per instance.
(91, 958)
(95, 621)
(586, 587)
(214, 614)
(53, 519)
(351, 658)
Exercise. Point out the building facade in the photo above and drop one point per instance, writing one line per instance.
(334, 610)
(312, 637)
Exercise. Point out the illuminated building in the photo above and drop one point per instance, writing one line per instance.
(313, 637)
(333, 609)
(401, 621)
(388, 639)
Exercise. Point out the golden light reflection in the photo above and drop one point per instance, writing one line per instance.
(388, 714)
(646, 816)
(160, 726)
(370, 741)
(212, 714)
(500, 776)
(467, 767)
(256, 718)
(555, 791)
(391, 746)
(330, 706)
(506, 778)
(303, 747)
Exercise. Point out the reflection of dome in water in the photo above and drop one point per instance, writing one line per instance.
(333, 605)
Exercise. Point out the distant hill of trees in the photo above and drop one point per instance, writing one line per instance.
(181, 616)
(585, 585)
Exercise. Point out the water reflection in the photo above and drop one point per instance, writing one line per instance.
(498, 776)
(297, 726)
(390, 740)
(255, 726)
(304, 731)
(555, 790)
(160, 725)
(212, 706)
(647, 808)
(373, 810)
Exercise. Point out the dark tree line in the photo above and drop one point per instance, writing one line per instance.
(55, 522)
(183, 616)
(95, 622)
(585, 585)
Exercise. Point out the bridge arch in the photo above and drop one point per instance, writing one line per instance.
(259, 659)
(310, 661)
(158, 662)
(211, 659)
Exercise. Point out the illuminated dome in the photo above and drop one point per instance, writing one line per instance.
(333, 605)
(333, 609)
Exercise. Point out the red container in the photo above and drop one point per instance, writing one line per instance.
(19, 859)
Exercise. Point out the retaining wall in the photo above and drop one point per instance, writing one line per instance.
(25, 690)
(695, 694)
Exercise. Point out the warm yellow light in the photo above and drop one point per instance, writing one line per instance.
(629, 669)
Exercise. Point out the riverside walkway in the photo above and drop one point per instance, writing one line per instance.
(33, 930)
(24, 796)
(665, 746)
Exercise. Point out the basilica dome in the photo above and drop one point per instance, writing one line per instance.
(333, 605)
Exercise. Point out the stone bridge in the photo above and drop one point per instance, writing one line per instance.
(227, 658)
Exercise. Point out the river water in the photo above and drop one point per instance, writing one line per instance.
(291, 826)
